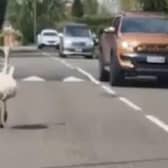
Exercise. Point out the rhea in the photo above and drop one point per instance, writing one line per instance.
(8, 86)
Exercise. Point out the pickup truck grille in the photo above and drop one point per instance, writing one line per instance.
(152, 48)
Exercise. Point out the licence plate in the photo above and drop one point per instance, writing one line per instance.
(156, 59)
(78, 50)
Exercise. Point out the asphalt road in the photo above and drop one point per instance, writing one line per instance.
(64, 117)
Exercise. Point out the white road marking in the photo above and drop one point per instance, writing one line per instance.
(108, 90)
(33, 79)
(88, 75)
(130, 104)
(73, 79)
(157, 122)
(66, 64)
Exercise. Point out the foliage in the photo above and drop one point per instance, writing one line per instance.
(155, 5)
(90, 7)
(129, 4)
(77, 8)
(21, 15)
(2, 9)
(96, 23)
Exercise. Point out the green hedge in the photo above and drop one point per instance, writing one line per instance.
(95, 23)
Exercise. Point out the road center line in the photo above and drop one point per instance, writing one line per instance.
(88, 75)
(109, 90)
(157, 122)
(130, 104)
(67, 64)
(64, 63)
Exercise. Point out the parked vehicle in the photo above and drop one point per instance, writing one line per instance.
(48, 38)
(77, 40)
(136, 45)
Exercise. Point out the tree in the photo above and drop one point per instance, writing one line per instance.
(155, 5)
(129, 4)
(3, 4)
(21, 15)
(77, 8)
(90, 7)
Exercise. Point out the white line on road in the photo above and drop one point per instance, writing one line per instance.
(109, 90)
(33, 79)
(73, 79)
(157, 122)
(88, 75)
(130, 104)
(66, 64)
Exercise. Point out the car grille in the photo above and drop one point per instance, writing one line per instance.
(51, 42)
(78, 44)
(152, 48)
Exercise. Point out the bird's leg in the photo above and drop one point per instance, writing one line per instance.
(5, 111)
(1, 114)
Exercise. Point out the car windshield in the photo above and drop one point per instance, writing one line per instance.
(144, 25)
(77, 31)
(50, 34)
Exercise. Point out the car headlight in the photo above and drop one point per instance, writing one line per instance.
(67, 42)
(90, 43)
(129, 46)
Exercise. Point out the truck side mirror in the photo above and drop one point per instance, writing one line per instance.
(110, 29)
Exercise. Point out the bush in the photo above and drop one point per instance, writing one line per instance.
(95, 23)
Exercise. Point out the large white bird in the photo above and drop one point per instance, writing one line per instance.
(8, 86)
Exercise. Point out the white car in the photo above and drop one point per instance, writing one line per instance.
(48, 38)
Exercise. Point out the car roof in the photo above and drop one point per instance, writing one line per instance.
(143, 14)
(49, 30)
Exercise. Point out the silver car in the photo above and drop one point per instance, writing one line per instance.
(77, 40)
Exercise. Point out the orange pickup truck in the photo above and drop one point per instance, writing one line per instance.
(136, 45)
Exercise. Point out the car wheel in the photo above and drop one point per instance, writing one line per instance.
(40, 47)
(89, 57)
(62, 55)
(116, 73)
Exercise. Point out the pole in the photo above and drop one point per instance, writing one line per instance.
(35, 19)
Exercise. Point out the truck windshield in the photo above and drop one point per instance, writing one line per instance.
(144, 25)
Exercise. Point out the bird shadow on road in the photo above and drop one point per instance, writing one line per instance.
(38, 126)
(30, 127)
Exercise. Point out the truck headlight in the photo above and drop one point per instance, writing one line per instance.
(129, 46)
